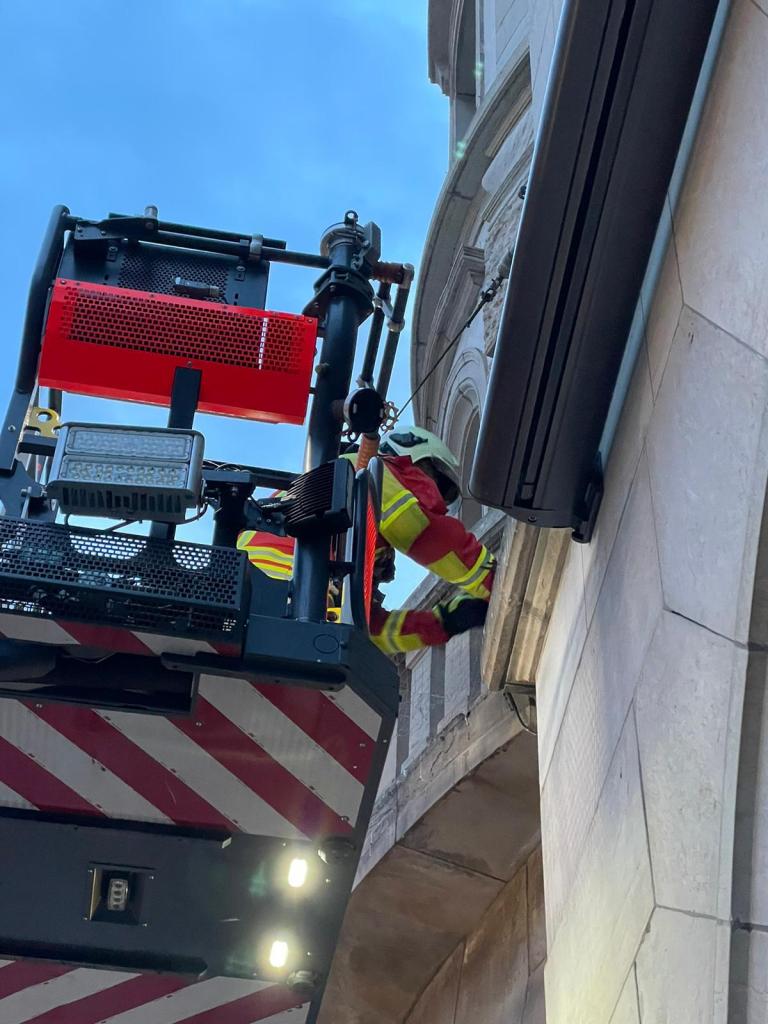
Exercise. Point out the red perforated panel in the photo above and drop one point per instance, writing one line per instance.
(121, 343)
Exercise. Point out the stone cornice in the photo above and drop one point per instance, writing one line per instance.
(438, 42)
(531, 562)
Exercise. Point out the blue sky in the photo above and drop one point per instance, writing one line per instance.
(268, 116)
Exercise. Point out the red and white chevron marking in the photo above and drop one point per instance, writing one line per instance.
(108, 638)
(258, 758)
(42, 993)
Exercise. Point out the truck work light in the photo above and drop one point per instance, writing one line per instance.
(127, 472)
(278, 953)
(297, 872)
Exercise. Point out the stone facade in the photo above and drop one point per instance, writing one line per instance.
(652, 794)
(495, 974)
(647, 647)
(447, 919)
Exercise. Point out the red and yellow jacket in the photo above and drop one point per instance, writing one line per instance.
(414, 521)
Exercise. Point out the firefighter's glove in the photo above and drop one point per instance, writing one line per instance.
(384, 566)
(463, 613)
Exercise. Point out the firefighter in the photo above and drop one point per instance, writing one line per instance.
(421, 479)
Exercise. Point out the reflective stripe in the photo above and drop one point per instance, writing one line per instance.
(385, 640)
(85, 776)
(275, 572)
(10, 798)
(194, 1001)
(394, 509)
(273, 562)
(272, 569)
(273, 554)
(57, 993)
(410, 642)
(483, 565)
(449, 567)
(285, 743)
(206, 775)
(39, 631)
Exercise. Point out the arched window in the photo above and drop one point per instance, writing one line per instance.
(459, 422)
(470, 510)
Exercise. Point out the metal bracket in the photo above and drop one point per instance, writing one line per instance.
(341, 280)
(43, 421)
(20, 494)
(269, 520)
(255, 247)
(228, 491)
(584, 525)
(101, 235)
(384, 305)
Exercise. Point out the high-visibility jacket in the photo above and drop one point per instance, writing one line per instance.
(414, 521)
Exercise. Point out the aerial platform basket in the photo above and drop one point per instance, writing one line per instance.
(189, 750)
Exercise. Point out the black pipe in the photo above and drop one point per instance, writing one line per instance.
(188, 229)
(239, 249)
(393, 335)
(229, 244)
(185, 395)
(299, 259)
(45, 270)
(323, 444)
(272, 479)
(374, 335)
(54, 399)
(200, 242)
(345, 311)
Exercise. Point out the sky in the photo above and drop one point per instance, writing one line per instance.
(256, 116)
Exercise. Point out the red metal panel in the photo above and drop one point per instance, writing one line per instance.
(126, 344)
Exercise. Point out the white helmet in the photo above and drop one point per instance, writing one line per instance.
(419, 444)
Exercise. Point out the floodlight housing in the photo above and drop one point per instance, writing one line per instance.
(127, 472)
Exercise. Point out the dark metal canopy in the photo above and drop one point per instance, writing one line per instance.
(620, 90)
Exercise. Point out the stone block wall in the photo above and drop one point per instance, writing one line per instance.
(495, 975)
(642, 681)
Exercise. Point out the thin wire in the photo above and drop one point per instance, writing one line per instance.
(486, 296)
(199, 515)
(121, 524)
(451, 345)
(511, 700)
(130, 522)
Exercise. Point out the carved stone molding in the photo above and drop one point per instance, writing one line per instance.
(531, 562)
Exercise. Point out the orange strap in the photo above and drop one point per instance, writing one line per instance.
(369, 449)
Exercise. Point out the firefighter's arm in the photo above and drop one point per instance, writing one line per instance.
(442, 544)
(404, 630)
